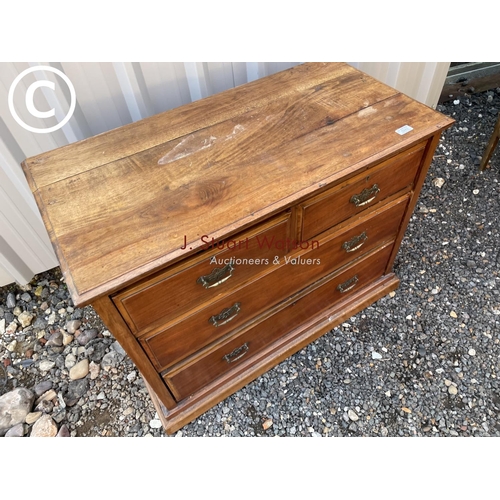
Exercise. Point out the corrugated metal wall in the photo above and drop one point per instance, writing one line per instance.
(109, 95)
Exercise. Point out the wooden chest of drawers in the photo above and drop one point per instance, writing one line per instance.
(218, 238)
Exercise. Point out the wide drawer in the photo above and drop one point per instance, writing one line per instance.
(205, 277)
(365, 190)
(227, 356)
(295, 273)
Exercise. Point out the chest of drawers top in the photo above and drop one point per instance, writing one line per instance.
(121, 205)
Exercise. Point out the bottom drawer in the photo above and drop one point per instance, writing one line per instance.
(224, 357)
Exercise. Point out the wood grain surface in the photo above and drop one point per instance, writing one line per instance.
(166, 297)
(195, 332)
(131, 214)
(192, 376)
(119, 205)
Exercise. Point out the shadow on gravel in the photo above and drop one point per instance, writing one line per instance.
(94, 423)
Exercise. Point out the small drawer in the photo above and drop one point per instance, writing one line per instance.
(360, 192)
(204, 277)
(295, 272)
(240, 349)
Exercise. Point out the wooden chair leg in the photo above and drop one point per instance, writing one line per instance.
(491, 145)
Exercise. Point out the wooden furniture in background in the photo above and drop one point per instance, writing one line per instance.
(490, 148)
(219, 238)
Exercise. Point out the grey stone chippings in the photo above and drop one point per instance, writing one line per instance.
(72, 326)
(10, 301)
(16, 431)
(404, 366)
(42, 387)
(14, 406)
(86, 336)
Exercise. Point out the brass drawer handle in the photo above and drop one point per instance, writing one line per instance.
(348, 285)
(366, 196)
(225, 315)
(216, 277)
(238, 353)
(355, 243)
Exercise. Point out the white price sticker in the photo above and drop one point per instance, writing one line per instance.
(404, 130)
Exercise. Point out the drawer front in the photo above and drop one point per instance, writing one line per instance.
(205, 277)
(220, 318)
(359, 193)
(230, 354)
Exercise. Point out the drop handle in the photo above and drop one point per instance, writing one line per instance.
(236, 354)
(216, 277)
(225, 315)
(355, 243)
(348, 285)
(366, 196)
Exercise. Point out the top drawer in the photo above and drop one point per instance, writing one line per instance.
(351, 197)
(205, 277)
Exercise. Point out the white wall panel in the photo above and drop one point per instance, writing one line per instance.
(113, 94)
(421, 80)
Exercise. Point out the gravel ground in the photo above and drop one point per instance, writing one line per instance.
(421, 362)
